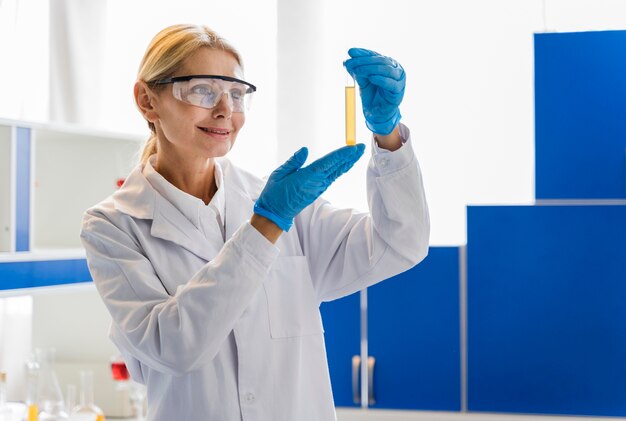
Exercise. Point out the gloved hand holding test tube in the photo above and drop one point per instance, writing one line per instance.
(381, 82)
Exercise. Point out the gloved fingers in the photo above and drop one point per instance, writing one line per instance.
(363, 83)
(352, 63)
(329, 162)
(391, 86)
(293, 163)
(369, 70)
(345, 166)
(360, 148)
(361, 52)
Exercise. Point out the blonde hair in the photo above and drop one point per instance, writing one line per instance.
(166, 53)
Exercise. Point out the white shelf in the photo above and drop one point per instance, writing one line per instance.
(43, 254)
(87, 132)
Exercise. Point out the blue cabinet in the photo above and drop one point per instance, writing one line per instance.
(342, 334)
(580, 104)
(546, 312)
(413, 334)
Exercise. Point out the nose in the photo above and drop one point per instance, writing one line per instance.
(224, 107)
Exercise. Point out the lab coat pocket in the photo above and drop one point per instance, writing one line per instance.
(292, 306)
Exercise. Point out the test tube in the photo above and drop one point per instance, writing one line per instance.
(350, 112)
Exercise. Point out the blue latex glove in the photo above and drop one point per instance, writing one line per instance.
(291, 188)
(381, 81)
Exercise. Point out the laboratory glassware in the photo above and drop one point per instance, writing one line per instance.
(136, 391)
(350, 95)
(86, 410)
(32, 375)
(5, 412)
(70, 397)
(49, 395)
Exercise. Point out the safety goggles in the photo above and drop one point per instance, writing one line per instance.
(206, 91)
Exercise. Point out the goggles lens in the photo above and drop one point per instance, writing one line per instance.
(207, 91)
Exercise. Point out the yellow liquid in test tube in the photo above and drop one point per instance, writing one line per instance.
(350, 115)
(33, 413)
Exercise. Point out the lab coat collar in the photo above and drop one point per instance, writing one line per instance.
(137, 198)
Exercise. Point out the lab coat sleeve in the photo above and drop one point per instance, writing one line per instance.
(347, 250)
(173, 334)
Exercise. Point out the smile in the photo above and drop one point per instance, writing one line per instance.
(217, 131)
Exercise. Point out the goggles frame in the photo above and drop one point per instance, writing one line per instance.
(249, 90)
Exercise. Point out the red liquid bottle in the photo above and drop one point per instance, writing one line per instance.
(119, 371)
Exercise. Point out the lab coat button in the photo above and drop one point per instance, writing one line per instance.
(250, 397)
(383, 162)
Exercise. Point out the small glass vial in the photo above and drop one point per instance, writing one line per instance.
(86, 410)
(5, 411)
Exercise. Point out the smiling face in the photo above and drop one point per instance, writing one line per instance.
(195, 131)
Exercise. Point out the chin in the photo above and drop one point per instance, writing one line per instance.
(217, 151)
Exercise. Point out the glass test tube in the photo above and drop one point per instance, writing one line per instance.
(350, 112)
(32, 373)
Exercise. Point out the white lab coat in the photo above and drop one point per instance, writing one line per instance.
(179, 304)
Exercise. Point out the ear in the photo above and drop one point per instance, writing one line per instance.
(145, 100)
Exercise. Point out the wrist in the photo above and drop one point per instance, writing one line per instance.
(282, 223)
(391, 141)
(383, 125)
(265, 226)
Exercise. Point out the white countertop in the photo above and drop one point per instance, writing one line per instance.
(344, 414)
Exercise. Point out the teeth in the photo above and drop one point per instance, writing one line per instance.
(214, 131)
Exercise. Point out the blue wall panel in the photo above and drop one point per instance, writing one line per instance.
(580, 104)
(342, 324)
(413, 321)
(22, 205)
(42, 273)
(547, 309)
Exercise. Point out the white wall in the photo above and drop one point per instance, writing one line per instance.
(24, 50)
(74, 321)
(15, 338)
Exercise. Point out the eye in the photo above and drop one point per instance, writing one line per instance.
(237, 93)
(201, 90)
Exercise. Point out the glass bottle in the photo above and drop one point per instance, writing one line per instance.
(5, 412)
(86, 410)
(49, 395)
(137, 392)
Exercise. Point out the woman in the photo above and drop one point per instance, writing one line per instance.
(214, 278)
